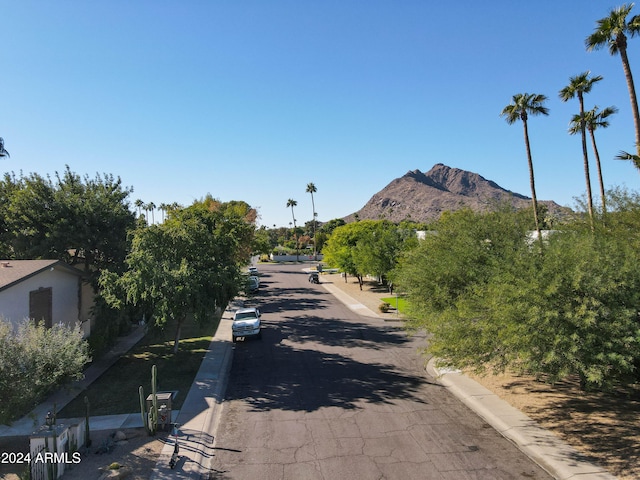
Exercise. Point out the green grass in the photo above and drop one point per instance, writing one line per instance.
(402, 303)
(116, 390)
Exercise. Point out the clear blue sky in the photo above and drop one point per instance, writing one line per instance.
(252, 100)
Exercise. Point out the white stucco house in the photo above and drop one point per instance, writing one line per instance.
(50, 291)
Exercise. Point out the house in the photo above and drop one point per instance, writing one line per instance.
(50, 291)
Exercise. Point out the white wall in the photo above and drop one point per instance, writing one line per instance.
(14, 301)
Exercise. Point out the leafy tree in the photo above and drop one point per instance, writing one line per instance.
(521, 106)
(331, 225)
(188, 266)
(612, 32)
(368, 247)
(377, 250)
(79, 220)
(594, 119)
(578, 86)
(489, 301)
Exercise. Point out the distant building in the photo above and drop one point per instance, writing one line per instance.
(48, 291)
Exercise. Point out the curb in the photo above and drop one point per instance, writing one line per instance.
(554, 455)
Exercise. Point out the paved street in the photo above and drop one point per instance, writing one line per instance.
(328, 394)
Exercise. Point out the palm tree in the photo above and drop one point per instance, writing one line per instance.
(163, 208)
(635, 159)
(3, 152)
(612, 32)
(151, 206)
(594, 119)
(522, 105)
(292, 203)
(311, 188)
(578, 86)
(139, 203)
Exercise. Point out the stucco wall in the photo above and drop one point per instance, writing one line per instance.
(14, 301)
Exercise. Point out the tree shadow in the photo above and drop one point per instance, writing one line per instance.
(278, 374)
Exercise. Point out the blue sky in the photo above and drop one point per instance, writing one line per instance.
(252, 100)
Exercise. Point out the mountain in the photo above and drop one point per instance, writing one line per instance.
(422, 197)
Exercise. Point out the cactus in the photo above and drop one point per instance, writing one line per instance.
(153, 414)
(143, 410)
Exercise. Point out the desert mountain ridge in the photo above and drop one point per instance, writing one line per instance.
(423, 196)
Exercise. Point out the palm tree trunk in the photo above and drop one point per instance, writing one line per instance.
(585, 156)
(313, 207)
(632, 95)
(534, 200)
(599, 168)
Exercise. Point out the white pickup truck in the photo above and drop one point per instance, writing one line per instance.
(246, 323)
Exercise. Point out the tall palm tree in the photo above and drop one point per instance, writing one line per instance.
(522, 105)
(3, 152)
(163, 208)
(292, 203)
(151, 206)
(578, 86)
(594, 119)
(612, 32)
(139, 203)
(311, 188)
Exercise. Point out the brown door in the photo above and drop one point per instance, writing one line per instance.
(40, 306)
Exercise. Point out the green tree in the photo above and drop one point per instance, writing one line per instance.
(489, 301)
(3, 151)
(187, 267)
(594, 119)
(578, 86)
(611, 32)
(82, 221)
(377, 249)
(368, 247)
(522, 105)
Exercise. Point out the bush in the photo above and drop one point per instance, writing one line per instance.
(384, 307)
(34, 360)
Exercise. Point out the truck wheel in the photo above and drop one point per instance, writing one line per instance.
(234, 338)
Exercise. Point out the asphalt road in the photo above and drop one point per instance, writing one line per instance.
(328, 394)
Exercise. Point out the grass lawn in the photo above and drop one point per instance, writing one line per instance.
(116, 391)
(402, 303)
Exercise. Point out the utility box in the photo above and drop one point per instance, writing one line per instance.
(164, 408)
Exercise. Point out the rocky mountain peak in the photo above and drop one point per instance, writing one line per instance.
(423, 196)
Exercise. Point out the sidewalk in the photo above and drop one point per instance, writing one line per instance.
(543, 447)
(201, 410)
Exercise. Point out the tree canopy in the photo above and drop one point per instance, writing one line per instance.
(187, 267)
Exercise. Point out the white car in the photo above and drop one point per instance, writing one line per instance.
(254, 283)
(253, 271)
(246, 323)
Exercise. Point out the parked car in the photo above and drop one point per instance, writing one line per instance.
(254, 283)
(254, 271)
(246, 323)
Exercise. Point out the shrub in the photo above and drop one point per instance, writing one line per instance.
(384, 307)
(34, 360)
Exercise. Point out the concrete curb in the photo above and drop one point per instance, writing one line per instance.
(546, 449)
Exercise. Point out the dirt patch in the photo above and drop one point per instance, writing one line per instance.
(136, 455)
(604, 427)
